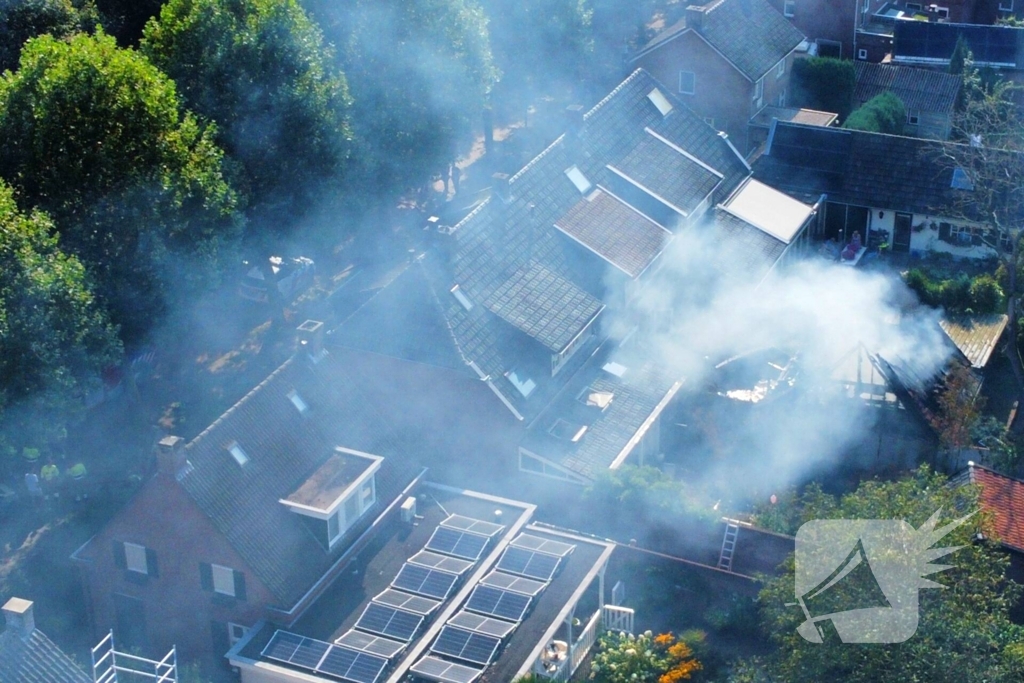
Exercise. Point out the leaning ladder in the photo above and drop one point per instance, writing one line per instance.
(728, 546)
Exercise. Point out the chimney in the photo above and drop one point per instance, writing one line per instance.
(695, 17)
(501, 187)
(574, 120)
(311, 338)
(170, 455)
(19, 618)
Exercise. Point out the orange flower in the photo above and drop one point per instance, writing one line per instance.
(680, 650)
(663, 639)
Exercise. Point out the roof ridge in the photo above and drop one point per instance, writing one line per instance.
(252, 392)
(971, 466)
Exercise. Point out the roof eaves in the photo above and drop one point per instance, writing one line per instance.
(640, 433)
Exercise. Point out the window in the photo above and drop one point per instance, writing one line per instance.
(237, 453)
(135, 558)
(660, 101)
(961, 234)
(333, 527)
(780, 69)
(789, 8)
(759, 91)
(461, 297)
(297, 401)
(522, 383)
(595, 398)
(914, 6)
(368, 494)
(351, 510)
(913, 117)
(614, 368)
(1005, 5)
(223, 580)
(942, 12)
(567, 431)
(782, 98)
(687, 82)
(578, 179)
(862, 53)
(236, 632)
(961, 181)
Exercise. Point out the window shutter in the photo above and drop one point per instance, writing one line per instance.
(219, 633)
(151, 566)
(239, 585)
(119, 557)
(206, 576)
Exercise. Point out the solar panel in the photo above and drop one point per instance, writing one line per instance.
(436, 669)
(410, 603)
(476, 526)
(528, 563)
(457, 543)
(432, 583)
(474, 622)
(443, 562)
(498, 603)
(543, 545)
(297, 650)
(375, 645)
(516, 584)
(388, 621)
(466, 645)
(351, 665)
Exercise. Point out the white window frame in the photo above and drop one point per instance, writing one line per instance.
(913, 117)
(789, 8)
(220, 574)
(1005, 9)
(862, 53)
(134, 554)
(238, 453)
(782, 98)
(780, 68)
(942, 12)
(759, 91)
(578, 179)
(236, 632)
(693, 83)
(339, 527)
(368, 494)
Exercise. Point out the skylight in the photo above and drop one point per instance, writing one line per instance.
(578, 179)
(614, 369)
(237, 453)
(461, 297)
(567, 431)
(524, 384)
(297, 401)
(660, 101)
(595, 398)
(961, 181)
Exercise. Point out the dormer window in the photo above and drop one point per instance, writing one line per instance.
(297, 401)
(521, 382)
(237, 453)
(461, 297)
(578, 179)
(567, 431)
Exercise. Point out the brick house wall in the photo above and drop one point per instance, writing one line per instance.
(721, 93)
(826, 20)
(175, 607)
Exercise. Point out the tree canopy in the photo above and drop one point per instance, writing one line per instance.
(964, 634)
(21, 20)
(54, 338)
(94, 135)
(261, 71)
(881, 114)
(824, 83)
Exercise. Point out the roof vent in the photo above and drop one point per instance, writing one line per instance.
(237, 453)
(660, 101)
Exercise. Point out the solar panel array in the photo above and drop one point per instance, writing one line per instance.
(476, 526)
(388, 621)
(404, 601)
(475, 648)
(516, 584)
(320, 657)
(542, 545)
(436, 669)
(432, 583)
(480, 624)
(498, 603)
(528, 563)
(458, 543)
(375, 645)
(445, 563)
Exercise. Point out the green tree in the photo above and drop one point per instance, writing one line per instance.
(964, 635)
(93, 135)
(54, 338)
(881, 114)
(958, 62)
(421, 72)
(824, 83)
(261, 71)
(24, 19)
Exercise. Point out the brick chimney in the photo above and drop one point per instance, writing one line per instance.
(170, 455)
(19, 617)
(501, 187)
(695, 17)
(311, 338)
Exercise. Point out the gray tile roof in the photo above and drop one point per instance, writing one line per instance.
(751, 34)
(923, 90)
(36, 659)
(616, 231)
(544, 305)
(744, 251)
(284, 448)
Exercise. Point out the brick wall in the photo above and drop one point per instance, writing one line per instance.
(825, 19)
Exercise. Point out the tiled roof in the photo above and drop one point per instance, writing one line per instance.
(859, 168)
(1004, 498)
(544, 305)
(975, 335)
(931, 42)
(923, 90)
(616, 231)
(811, 117)
(744, 250)
(751, 34)
(284, 448)
(36, 659)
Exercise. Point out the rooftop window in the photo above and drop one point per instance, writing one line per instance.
(461, 297)
(567, 431)
(595, 398)
(578, 179)
(524, 384)
(614, 369)
(961, 181)
(661, 102)
(297, 401)
(237, 453)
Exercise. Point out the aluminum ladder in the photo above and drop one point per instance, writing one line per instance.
(728, 546)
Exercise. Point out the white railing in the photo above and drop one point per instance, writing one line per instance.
(608, 618)
(105, 664)
(617, 619)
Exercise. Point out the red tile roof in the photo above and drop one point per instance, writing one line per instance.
(1004, 498)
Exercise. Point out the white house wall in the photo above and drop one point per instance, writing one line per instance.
(928, 239)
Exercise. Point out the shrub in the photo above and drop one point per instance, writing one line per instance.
(825, 84)
(962, 294)
(881, 114)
